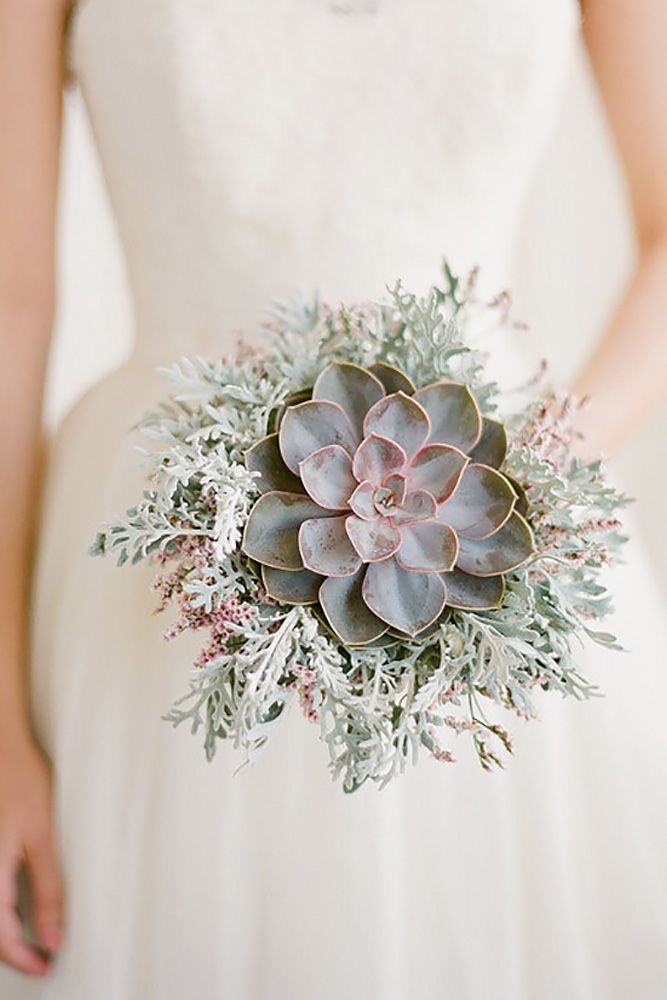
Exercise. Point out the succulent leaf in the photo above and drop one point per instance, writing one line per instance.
(353, 388)
(453, 412)
(291, 586)
(406, 600)
(373, 540)
(309, 426)
(510, 547)
(522, 505)
(491, 448)
(264, 457)
(361, 502)
(399, 418)
(417, 506)
(325, 547)
(397, 484)
(483, 501)
(347, 612)
(392, 379)
(428, 547)
(437, 468)
(376, 458)
(278, 413)
(327, 477)
(272, 531)
(473, 593)
(425, 632)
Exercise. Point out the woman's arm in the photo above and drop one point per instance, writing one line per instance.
(626, 374)
(31, 33)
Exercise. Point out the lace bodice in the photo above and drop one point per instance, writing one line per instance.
(257, 147)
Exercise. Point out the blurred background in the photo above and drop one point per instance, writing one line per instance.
(572, 260)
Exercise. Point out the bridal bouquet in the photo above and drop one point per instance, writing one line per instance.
(354, 522)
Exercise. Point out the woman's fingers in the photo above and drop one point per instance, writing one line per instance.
(47, 890)
(28, 860)
(14, 950)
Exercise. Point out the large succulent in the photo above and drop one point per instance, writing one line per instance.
(385, 504)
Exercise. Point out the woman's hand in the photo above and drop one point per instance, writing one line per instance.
(27, 838)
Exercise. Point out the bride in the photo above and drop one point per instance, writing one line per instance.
(250, 148)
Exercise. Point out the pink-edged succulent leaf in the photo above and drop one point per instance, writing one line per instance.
(491, 448)
(428, 547)
(453, 412)
(271, 533)
(346, 611)
(309, 426)
(327, 477)
(417, 506)
(522, 505)
(362, 503)
(399, 418)
(397, 483)
(291, 587)
(482, 503)
(406, 600)
(425, 632)
(352, 387)
(392, 378)
(264, 457)
(432, 628)
(325, 547)
(473, 593)
(376, 458)
(277, 414)
(437, 468)
(510, 547)
(373, 540)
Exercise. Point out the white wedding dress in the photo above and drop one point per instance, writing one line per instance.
(253, 148)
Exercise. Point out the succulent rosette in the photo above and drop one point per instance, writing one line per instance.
(385, 505)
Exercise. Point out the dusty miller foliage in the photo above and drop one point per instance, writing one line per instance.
(377, 708)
